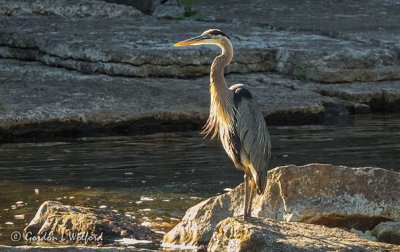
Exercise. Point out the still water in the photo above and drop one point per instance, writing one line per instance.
(157, 177)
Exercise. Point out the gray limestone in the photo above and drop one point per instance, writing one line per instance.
(34, 95)
(66, 8)
(97, 65)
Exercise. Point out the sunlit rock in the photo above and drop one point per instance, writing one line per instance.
(331, 195)
(55, 222)
(261, 234)
(334, 196)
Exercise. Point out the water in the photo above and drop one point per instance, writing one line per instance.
(157, 177)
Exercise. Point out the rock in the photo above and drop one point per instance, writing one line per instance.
(234, 234)
(129, 47)
(332, 19)
(146, 6)
(334, 196)
(382, 96)
(62, 248)
(61, 102)
(388, 231)
(59, 223)
(199, 222)
(66, 8)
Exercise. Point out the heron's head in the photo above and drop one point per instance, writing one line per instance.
(209, 37)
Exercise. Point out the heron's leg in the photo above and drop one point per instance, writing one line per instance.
(246, 195)
(251, 196)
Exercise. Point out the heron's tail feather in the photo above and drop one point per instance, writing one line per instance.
(259, 179)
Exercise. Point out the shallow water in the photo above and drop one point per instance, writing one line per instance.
(157, 177)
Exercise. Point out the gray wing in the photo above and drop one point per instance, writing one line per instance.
(252, 131)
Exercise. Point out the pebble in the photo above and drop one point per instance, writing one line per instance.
(13, 207)
(36, 191)
(9, 223)
(195, 198)
(19, 216)
(146, 224)
(228, 189)
(166, 200)
(71, 197)
(143, 181)
(130, 241)
(19, 203)
(102, 206)
(128, 173)
(145, 210)
(139, 202)
(143, 198)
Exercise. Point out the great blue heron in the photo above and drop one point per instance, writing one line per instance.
(236, 117)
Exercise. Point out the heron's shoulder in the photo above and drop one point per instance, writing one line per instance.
(240, 92)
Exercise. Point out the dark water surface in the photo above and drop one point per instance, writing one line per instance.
(157, 177)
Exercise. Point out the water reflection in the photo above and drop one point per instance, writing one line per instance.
(159, 176)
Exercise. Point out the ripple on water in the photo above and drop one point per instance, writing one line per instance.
(164, 174)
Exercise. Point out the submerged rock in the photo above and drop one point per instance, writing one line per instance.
(334, 196)
(234, 234)
(56, 222)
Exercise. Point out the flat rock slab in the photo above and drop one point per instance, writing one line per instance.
(373, 21)
(33, 95)
(234, 234)
(380, 96)
(141, 47)
(67, 8)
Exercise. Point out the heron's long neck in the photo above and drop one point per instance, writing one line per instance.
(222, 105)
(217, 80)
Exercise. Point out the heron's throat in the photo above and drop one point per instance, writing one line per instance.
(219, 63)
(222, 106)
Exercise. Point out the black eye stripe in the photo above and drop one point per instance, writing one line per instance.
(216, 32)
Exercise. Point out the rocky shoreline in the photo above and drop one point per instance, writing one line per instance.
(96, 68)
(316, 207)
(319, 194)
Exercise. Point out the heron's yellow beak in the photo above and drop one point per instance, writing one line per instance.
(192, 41)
